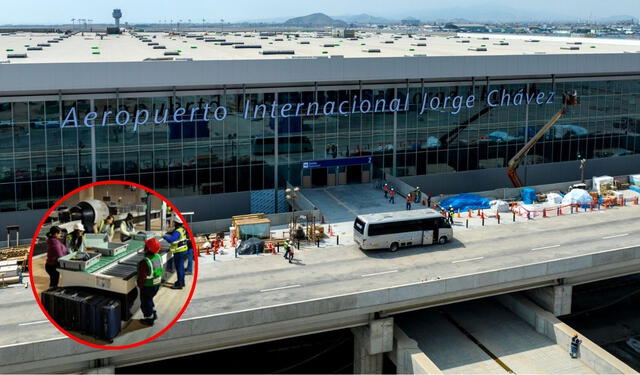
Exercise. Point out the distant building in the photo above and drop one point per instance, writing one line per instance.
(345, 33)
(411, 22)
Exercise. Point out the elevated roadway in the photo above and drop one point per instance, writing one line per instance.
(257, 299)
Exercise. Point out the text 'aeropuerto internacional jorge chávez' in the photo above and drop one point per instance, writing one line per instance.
(426, 102)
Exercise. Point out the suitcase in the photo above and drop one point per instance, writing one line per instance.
(48, 298)
(111, 313)
(91, 311)
(74, 303)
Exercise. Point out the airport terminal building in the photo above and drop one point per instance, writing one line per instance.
(221, 123)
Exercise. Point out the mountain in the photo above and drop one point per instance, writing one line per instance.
(314, 20)
(364, 19)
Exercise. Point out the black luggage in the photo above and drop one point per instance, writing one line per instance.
(48, 298)
(91, 310)
(111, 313)
(74, 305)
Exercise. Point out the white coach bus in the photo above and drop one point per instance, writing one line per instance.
(393, 230)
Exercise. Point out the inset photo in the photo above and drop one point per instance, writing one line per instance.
(112, 265)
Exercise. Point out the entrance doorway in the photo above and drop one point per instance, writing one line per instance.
(319, 177)
(354, 174)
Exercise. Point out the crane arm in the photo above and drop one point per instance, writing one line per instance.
(514, 163)
(568, 99)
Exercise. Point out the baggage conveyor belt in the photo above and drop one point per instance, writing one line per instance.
(113, 273)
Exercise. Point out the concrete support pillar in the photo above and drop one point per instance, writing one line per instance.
(370, 344)
(555, 299)
(101, 370)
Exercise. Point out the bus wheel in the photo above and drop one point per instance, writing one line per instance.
(443, 240)
(394, 247)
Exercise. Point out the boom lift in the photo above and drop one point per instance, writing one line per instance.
(568, 99)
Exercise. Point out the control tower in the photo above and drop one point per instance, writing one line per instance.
(117, 14)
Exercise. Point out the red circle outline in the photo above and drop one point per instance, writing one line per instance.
(35, 238)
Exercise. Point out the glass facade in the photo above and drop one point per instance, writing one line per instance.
(40, 161)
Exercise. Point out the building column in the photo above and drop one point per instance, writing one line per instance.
(370, 344)
(555, 299)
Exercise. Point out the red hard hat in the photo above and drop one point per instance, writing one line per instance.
(153, 245)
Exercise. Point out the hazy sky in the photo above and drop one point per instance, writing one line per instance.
(59, 11)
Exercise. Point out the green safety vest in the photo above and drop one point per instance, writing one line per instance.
(181, 244)
(111, 230)
(69, 241)
(154, 276)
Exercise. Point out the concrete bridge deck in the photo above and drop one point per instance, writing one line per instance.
(263, 298)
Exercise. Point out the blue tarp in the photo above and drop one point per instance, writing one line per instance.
(464, 202)
(635, 188)
(528, 195)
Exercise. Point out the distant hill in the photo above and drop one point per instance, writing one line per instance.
(364, 19)
(314, 20)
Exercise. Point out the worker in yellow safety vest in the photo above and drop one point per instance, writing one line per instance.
(179, 244)
(106, 226)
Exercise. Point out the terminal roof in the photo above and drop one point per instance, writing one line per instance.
(91, 47)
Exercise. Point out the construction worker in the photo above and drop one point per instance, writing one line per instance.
(127, 228)
(386, 191)
(74, 240)
(575, 346)
(418, 195)
(149, 279)
(392, 196)
(105, 226)
(409, 200)
(287, 252)
(429, 201)
(451, 213)
(190, 255)
(178, 241)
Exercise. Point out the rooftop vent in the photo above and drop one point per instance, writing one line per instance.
(210, 40)
(463, 41)
(387, 41)
(53, 41)
(353, 38)
(278, 52)
(478, 49)
(483, 38)
(420, 44)
(329, 45)
(159, 47)
(158, 59)
(183, 59)
(230, 43)
(17, 56)
(200, 38)
(34, 49)
(422, 38)
(192, 36)
(172, 53)
(532, 40)
(279, 40)
(247, 46)
(570, 48)
(304, 42)
(44, 45)
(153, 44)
(372, 50)
(264, 37)
(501, 43)
(575, 43)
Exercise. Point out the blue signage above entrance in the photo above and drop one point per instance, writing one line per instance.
(336, 162)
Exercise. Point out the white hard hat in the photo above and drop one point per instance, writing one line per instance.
(177, 219)
(78, 226)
